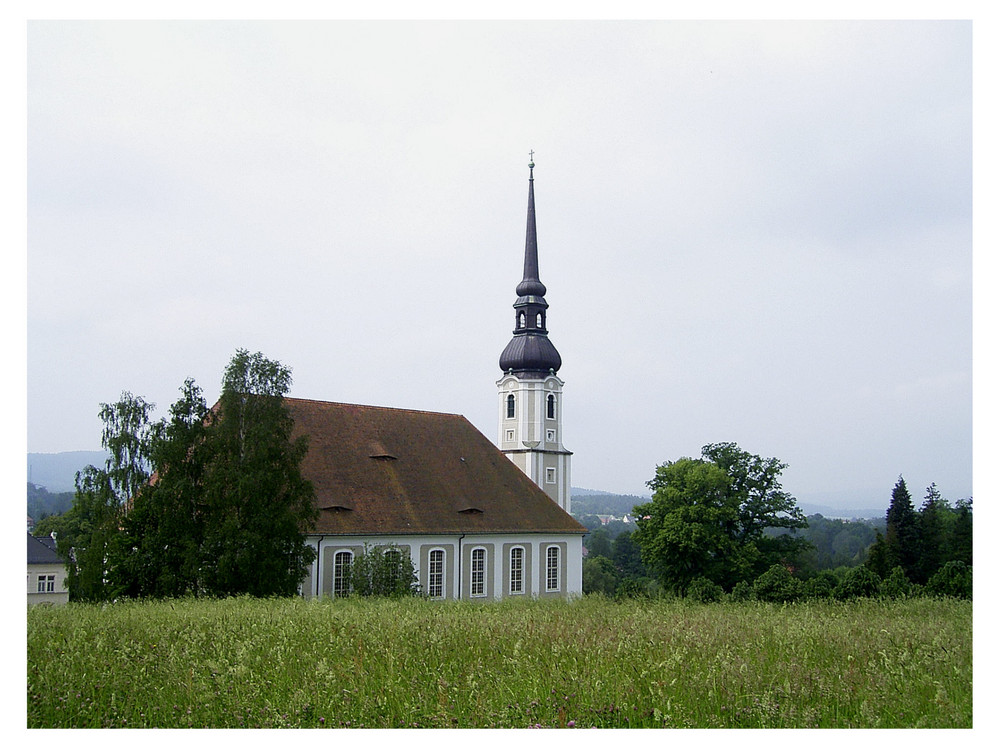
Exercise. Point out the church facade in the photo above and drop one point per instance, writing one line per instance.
(478, 521)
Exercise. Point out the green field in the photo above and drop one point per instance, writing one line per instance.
(416, 663)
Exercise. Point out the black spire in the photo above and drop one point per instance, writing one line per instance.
(530, 351)
(530, 284)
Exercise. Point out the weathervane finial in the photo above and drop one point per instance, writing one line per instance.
(531, 164)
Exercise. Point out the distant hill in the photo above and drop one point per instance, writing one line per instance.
(56, 472)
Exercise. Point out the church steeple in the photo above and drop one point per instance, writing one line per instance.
(530, 392)
(530, 351)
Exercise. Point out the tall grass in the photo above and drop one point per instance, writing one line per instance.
(415, 663)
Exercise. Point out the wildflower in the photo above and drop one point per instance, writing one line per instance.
(570, 723)
(322, 720)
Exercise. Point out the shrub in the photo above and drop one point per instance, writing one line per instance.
(383, 571)
(777, 584)
(859, 581)
(703, 590)
(951, 579)
(741, 592)
(820, 586)
(897, 585)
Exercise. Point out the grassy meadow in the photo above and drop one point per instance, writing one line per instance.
(415, 663)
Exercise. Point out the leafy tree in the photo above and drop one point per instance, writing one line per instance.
(902, 534)
(600, 576)
(257, 504)
(708, 517)
(598, 543)
(89, 536)
(688, 529)
(777, 584)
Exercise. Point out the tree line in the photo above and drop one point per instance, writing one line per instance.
(721, 526)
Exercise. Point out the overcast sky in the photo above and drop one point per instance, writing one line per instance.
(757, 232)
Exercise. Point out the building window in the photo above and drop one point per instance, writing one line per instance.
(550, 476)
(510, 436)
(538, 321)
(550, 435)
(342, 573)
(550, 407)
(478, 572)
(510, 406)
(46, 584)
(552, 569)
(520, 320)
(517, 570)
(435, 574)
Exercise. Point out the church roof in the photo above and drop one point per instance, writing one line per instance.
(377, 470)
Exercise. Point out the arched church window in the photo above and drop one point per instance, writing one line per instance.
(520, 320)
(510, 406)
(552, 568)
(550, 407)
(342, 573)
(538, 321)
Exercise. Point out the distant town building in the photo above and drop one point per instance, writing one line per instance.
(46, 572)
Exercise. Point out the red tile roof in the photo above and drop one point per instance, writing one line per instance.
(395, 471)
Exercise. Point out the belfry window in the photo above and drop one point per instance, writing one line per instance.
(550, 407)
(510, 406)
(520, 320)
(538, 321)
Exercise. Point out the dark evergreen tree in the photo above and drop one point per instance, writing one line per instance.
(878, 556)
(902, 534)
(961, 535)
(932, 526)
(164, 531)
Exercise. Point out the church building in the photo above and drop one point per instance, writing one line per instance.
(478, 521)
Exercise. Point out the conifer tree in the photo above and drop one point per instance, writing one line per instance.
(902, 534)
(933, 546)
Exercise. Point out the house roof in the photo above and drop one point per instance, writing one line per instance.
(41, 551)
(377, 470)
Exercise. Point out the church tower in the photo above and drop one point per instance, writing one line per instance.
(530, 392)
